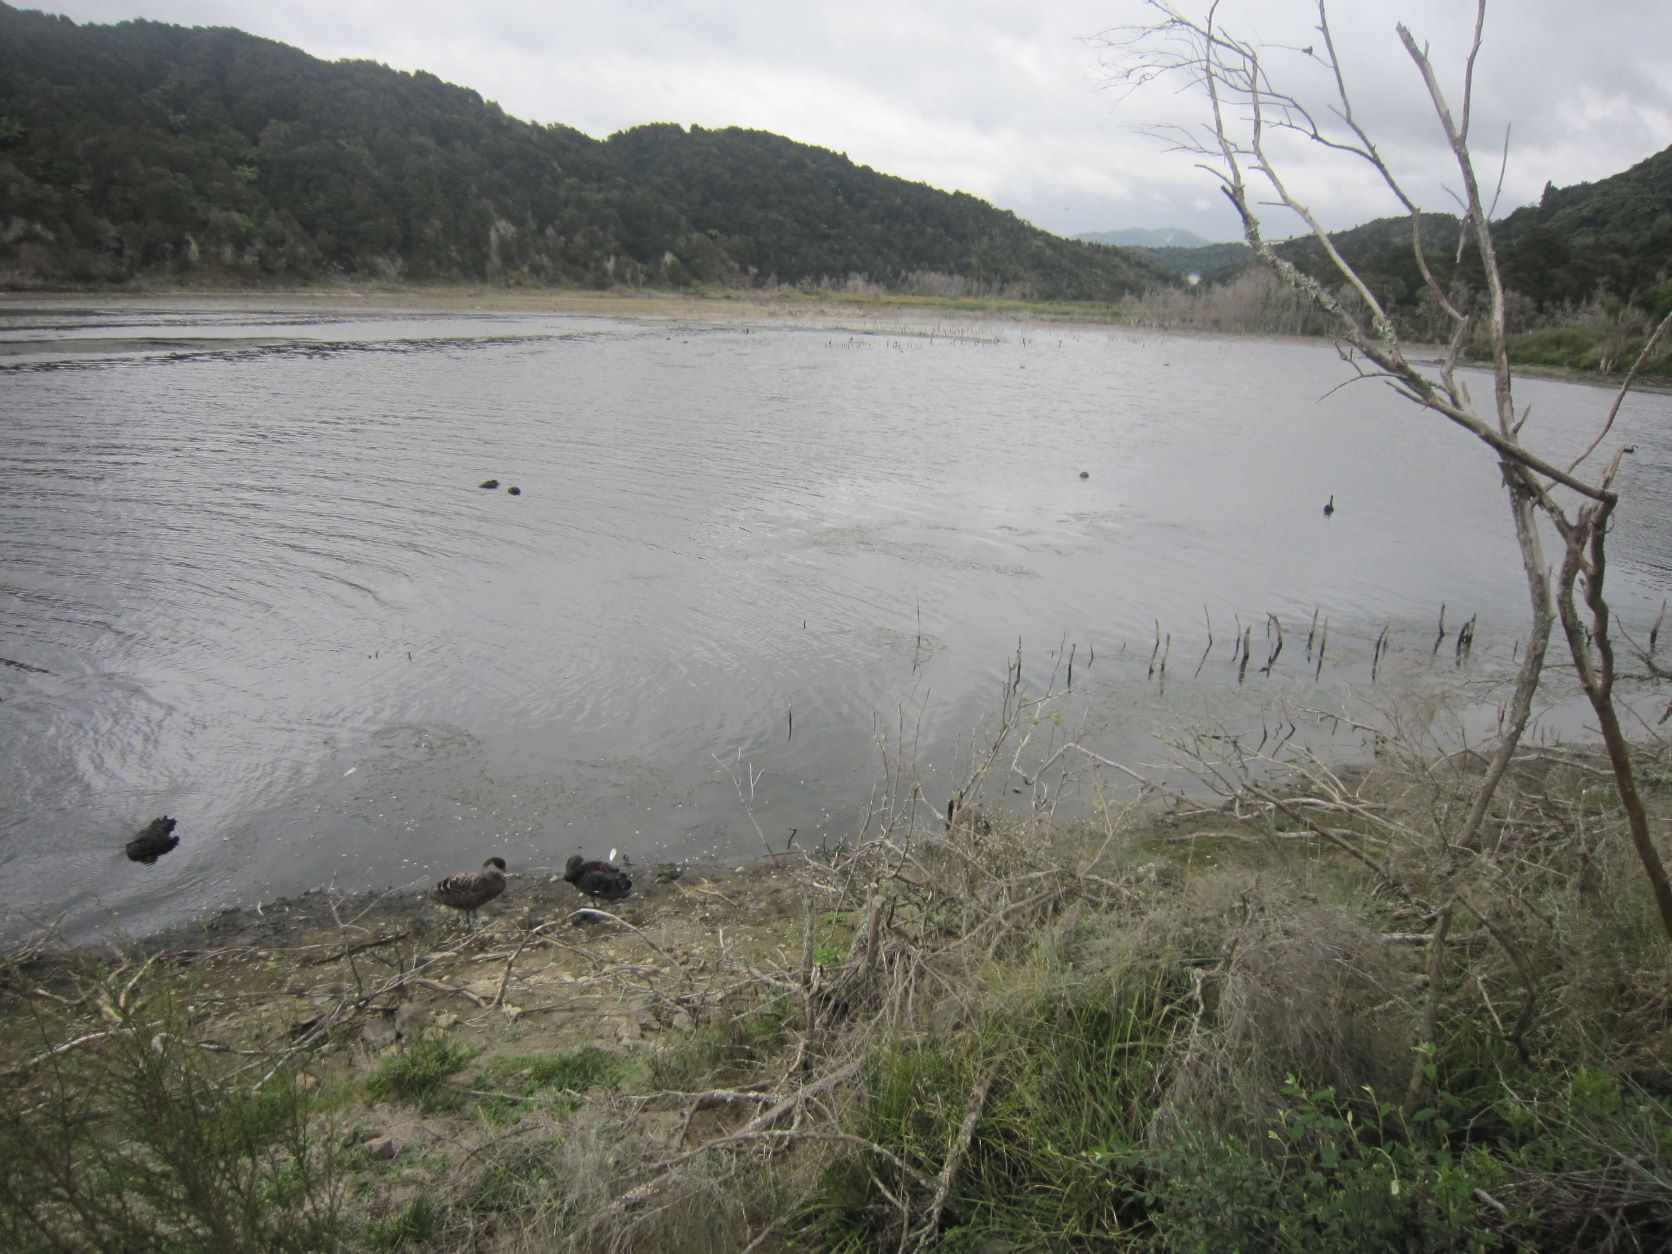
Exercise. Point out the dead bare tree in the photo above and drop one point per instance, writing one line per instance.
(1244, 109)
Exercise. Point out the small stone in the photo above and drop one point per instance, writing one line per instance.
(446, 1021)
(384, 1148)
(681, 1022)
(415, 1175)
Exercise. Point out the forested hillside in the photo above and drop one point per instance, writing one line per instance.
(144, 149)
(783, 208)
(1608, 242)
(1205, 261)
(1614, 235)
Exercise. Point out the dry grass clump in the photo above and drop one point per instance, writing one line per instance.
(1300, 989)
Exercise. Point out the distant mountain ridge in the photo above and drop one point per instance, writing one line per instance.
(1147, 237)
(145, 149)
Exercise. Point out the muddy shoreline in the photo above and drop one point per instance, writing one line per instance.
(811, 309)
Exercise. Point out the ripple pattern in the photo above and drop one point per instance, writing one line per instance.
(249, 566)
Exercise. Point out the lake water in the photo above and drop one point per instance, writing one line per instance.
(248, 557)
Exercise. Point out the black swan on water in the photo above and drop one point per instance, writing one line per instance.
(598, 880)
(154, 840)
(469, 891)
(1329, 507)
(489, 483)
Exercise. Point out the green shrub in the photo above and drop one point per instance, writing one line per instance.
(1332, 1175)
(142, 1141)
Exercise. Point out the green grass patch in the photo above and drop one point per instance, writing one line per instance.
(418, 1075)
(1071, 1073)
(412, 1225)
(725, 1050)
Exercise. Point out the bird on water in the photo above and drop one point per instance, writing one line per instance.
(598, 880)
(1329, 507)
(469, 891)
(154, 840)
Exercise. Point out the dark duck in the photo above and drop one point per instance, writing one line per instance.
(598, 880)
(968, 818)
(154, 840)
(469, 891)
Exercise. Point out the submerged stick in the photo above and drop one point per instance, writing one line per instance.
(1271, 661)
(1311, 632)
(1465, 641)
(1442, 633)
(1242, 671)
(1323, 644)
(1209, 620)
(1071, 649)
(1376, 654)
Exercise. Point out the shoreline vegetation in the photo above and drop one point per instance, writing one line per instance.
(1256, 306)
(1205, 1022)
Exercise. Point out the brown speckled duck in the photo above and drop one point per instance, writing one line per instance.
(469, 891)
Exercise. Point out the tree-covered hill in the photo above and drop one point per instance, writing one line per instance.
(796, 212)
(1380, 251)
(1614, 235)
(144, 149)
(1205, 261)
(1147, 237)
(1608, 241)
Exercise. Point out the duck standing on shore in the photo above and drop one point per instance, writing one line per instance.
(469, 891)
(154, 840)
(598, 880)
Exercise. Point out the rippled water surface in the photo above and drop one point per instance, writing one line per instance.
(248, 567)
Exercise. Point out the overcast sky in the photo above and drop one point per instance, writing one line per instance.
(1008, 100)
